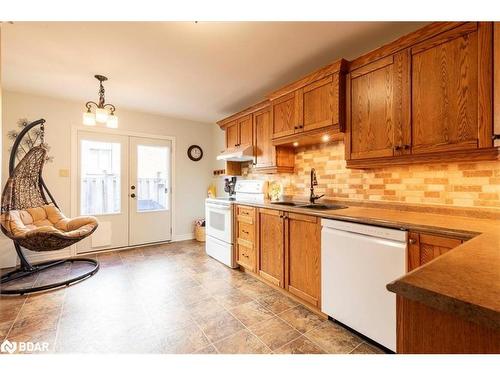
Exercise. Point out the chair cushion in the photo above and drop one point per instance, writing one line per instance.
(46, 219)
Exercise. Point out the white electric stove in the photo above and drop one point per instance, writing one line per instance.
(219, 219)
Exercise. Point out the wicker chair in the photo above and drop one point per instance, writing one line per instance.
(31, 218)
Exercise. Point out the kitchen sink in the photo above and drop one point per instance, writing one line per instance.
(323, 206)
(286, 203)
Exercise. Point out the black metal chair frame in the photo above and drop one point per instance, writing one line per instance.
(26, 268)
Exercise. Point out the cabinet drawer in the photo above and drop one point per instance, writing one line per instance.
(246, 256)
(246, 232)
(245, 214)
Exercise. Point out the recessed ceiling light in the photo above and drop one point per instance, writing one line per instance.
(295, 144)
(325, 138)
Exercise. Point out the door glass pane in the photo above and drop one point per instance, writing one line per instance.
(100, 178)
(152, 178)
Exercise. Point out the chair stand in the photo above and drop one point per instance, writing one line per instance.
(27, 269)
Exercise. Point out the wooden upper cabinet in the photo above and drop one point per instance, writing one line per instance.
(496, 82)
(447, 90)
(265, 152)
(426, 97)
(271, 246)
(422, 248)
(286, 115)
(232, 134)
(378, 107)
(246, 130)
(303, 257)
(239, 132)
(321, 103)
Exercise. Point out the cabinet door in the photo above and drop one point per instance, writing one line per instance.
(447, 92)
(496, 84)
(271, 249)
(378, 111)
(286, 113)
(246, 131)
(320, 101)
(265, 152)
(303, 249)
(423, 248)
(232, 134)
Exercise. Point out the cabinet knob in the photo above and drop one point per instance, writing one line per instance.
(132, 195)
(397, 148)
(406, 147)
(495, 137)
(412, 241)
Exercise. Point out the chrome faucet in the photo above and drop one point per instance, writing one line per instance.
(313, 197)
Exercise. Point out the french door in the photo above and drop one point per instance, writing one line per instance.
(125, 182)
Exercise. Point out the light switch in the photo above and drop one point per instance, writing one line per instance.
(63, 172)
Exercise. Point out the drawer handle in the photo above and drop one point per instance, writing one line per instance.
(244, 231)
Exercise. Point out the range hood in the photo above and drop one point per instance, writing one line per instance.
(239, 153)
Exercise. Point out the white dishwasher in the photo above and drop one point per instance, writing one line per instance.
(357, 262)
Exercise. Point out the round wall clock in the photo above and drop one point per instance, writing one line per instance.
(195, 153)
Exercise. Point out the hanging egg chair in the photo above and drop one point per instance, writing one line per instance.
(31, 218)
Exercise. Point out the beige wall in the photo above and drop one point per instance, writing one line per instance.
(191, 180)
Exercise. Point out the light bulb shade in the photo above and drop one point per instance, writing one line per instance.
(101, 114)
(112, 122)
(88, 119)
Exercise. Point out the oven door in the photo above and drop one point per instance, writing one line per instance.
(219, 221)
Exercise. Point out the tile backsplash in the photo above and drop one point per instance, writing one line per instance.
(475, 184)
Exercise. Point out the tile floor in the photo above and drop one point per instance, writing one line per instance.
(170, 299)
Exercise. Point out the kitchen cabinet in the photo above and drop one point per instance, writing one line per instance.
(246, 254)
(232, 134)
(269, 158)
(246, 131)
(286, 115)
(423, 248)
(447, 81)
(426, 97)
(290, 253)
(376, 103)
(310, 106)
(321, 103)
(239, 132)
(303, 257)
(496, 84)
(271, 246)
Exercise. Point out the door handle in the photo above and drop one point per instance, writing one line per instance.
(132, 195)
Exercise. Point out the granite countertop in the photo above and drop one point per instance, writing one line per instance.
(464, 281)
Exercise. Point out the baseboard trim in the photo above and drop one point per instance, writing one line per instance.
(183, 237)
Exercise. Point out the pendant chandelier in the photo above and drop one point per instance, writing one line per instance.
(104, 113)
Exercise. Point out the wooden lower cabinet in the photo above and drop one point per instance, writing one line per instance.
(290, 253)
(271, 246)
(422, 329)
(303, 257)
(423, 248)
(246, 249)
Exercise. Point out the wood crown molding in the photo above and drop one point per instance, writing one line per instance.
(256, 107)
(335, 67)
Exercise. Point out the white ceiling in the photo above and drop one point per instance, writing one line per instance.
(201, 71)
